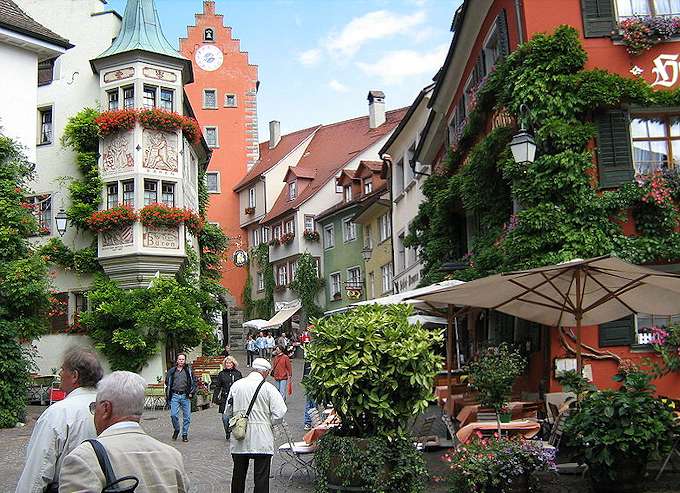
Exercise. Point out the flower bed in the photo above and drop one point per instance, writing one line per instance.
(495, 464)
(109, 219)
(110, 122)
(161, 215)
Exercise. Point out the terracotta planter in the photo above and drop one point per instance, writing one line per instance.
(629, 477)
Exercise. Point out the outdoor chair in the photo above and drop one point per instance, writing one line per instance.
(298, 455)
(675, 450)
(315, 417)
(423, 437)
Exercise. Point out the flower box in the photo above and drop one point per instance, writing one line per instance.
(274, 242)
(110, 122)
(639, 34)
(250, 210)
(163, 215)
(110, 219)
(287, 238)
(310, 235)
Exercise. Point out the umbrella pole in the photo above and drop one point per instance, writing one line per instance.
(578, 315)
(449, 354)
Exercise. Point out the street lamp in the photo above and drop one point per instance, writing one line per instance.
(62, 222)
(366, 253)
(523, 146)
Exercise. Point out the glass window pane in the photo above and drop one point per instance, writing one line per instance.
(667, 7)
(676, 154)
(641, 128)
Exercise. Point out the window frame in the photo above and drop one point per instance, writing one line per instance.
(46, 128)
(368, 185)
(668, 139)
(368, 237)
(217, 136)
(265, 234)
(207, 186)
(332, 285)
(652, 11)
(205, 100)
(385, 232)
(113, 92)
(311, 218)
(252, 197)
(109, 195)
(329, 232)
(289, 225)
(126, 194)
(148, 191)
(164, 193)
(128, 97)
(387, 281)
(357, 280)
(146, 89)
(43, 217)
(282, 268)
(278, 228)
(347, 193)
(349, 230)
(210, 39)
(162, 103)
(228, 95)
(292, 190)
(260, 281)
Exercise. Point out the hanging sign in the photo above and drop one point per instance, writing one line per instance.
(240, 258)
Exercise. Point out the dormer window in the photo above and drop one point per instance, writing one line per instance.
(292, 190)
(368, 186)
(209, 35)
(348, 193)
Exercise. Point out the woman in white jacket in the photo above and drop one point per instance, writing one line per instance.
(258, 444)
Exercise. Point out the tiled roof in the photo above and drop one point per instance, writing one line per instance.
(362, 200)
(141, 30)
(332, 147)
(15, 19)
(269, 157)
(302, 172)
(375, 166)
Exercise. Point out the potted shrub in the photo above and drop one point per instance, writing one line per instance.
(492, 374)
(377, 371)
(617, 432)
(498, 465)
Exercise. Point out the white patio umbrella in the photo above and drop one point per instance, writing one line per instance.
(571, 294)
(256, 324)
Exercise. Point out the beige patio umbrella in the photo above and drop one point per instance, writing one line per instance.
(571, 294)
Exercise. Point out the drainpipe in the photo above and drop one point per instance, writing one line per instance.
(518, 16)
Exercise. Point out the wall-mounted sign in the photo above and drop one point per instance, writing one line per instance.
(240, 258)
(666, 69)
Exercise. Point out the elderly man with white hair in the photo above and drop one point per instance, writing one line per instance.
(117, 412)
(268, 408)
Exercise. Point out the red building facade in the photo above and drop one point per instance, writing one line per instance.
(484, 31)
(224, 98)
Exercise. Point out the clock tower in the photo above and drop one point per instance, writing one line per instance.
(224, 98)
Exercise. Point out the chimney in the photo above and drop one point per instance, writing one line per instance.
(209, 7)
(376, 108)
(274, 133)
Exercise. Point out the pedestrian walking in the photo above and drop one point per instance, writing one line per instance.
(261, 343)
(180, 387)
(64, 424)
(309, 402)
(283, 341)
(225, 379)
(268, 408)
(270, 345)
(282, 371)
(131, 452)
(251, 350)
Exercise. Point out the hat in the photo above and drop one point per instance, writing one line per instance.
(261, 364)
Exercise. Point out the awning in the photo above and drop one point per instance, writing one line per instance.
(257, 324)
(426, 320)
(282, 316)
(411, 297)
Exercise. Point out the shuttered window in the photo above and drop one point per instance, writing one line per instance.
(598, 18)
(59, 313)
(617, 333)
(615, 163)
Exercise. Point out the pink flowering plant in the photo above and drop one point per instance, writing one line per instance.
(497, 464)
(666, 342)
(641, 33)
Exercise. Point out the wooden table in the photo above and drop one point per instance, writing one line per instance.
(469, 413)
(524, 427)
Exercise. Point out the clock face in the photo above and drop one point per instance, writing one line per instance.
(209, 57)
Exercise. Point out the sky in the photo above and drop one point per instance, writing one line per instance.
(318, 59)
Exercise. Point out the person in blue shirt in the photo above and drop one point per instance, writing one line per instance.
(261, 344)
(251, 350)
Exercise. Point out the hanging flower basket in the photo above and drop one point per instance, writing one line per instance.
(287, 238)
(311, 235)
(161, 215)
(110, 219)
(110, 122)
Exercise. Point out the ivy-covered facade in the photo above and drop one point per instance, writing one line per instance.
(603, 181)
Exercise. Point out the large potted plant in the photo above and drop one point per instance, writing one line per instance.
(377, 371)
(617, 432)
(492, 374)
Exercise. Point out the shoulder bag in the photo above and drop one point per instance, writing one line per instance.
(126, 484)
(239, 423)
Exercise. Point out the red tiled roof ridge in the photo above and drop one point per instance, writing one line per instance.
(365, 117)
(313, 127)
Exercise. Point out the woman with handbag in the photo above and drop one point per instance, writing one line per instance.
(225, 379)
(282, 371)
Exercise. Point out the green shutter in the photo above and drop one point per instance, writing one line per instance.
(598, 18)
(614, 159)
(502, 29)
(617, 333)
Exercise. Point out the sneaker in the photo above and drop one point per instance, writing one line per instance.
(185, 438)
(308, 427)
(175, 434)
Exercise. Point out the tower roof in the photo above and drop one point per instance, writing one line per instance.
(141, 30)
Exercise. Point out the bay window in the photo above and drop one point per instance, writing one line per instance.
(168, 194)
(113, 99)
(149, 97)
(129, 97)
(129, 193)
(150, 192)
(167, 99)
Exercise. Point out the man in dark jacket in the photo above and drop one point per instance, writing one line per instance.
(180, 387)
(223, 383)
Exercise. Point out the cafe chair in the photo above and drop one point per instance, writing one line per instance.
(299, 456)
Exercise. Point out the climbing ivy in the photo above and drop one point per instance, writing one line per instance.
(264, 307)
(307, 285)
(24, 283)
(561, 213)
(83, 261)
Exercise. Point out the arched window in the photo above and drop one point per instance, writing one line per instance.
(209, 35)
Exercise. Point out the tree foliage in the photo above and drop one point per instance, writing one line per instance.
(24, 283)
